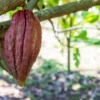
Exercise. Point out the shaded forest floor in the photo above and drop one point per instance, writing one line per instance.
(59, 85)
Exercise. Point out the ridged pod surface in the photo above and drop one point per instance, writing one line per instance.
(22, 44)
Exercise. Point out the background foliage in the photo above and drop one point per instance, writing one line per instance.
(55, 80)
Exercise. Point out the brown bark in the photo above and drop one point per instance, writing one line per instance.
(7, 5)
(49, 13)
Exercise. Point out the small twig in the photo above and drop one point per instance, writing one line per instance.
(76, 27)
(31, 4)
(56, 36)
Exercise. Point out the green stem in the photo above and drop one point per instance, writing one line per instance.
(4, 66)
(69, 47)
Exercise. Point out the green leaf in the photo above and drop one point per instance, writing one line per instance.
(83, 34)
(84, 14)
(73, 17)
(40, 4)
(14, 11)
(76, 55)
(64, 23)
(93, 41)
(50, 3)
(91, 18)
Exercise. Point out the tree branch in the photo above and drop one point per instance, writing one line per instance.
(7, 5)
(57, 11)
(66, 9)
(32, 4)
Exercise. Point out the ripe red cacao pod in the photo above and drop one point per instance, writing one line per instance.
(22, 44)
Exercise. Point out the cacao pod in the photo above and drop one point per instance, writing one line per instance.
(22, 44)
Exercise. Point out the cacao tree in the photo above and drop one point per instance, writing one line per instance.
(45, 10)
